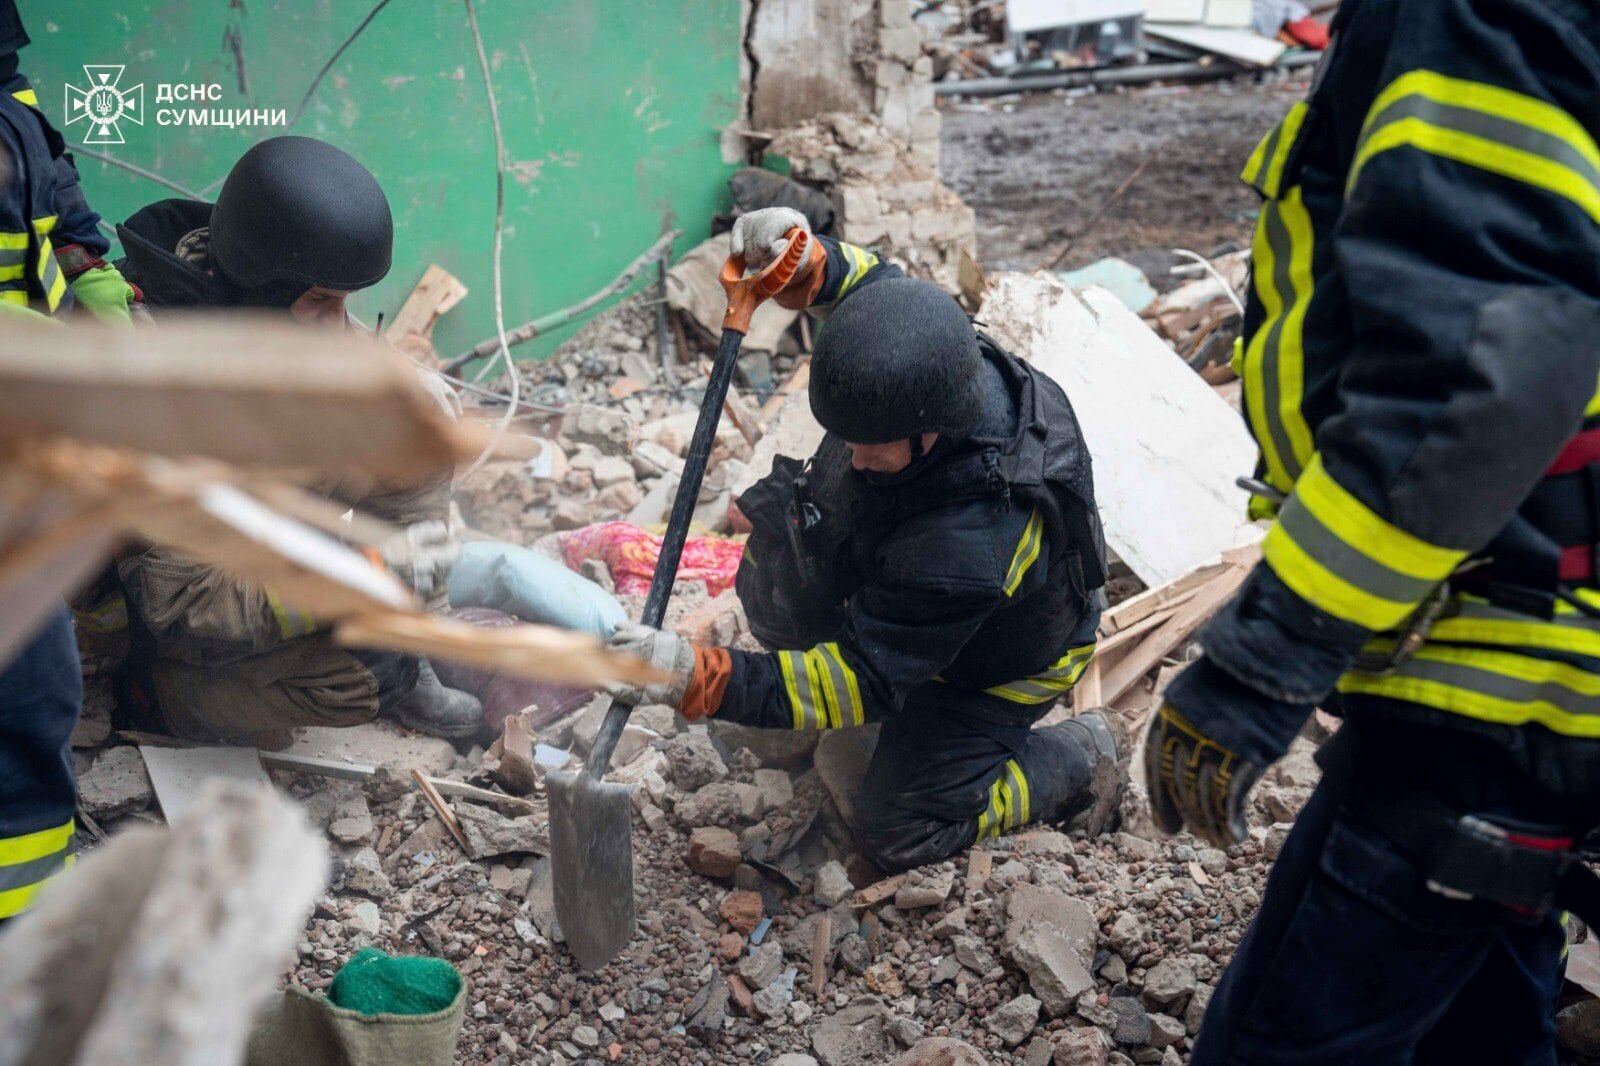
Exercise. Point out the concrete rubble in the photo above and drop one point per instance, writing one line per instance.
(763, 934)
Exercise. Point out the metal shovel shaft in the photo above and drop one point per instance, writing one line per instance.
(683, 505)
(591, 835)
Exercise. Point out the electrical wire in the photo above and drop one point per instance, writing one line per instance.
(1205, 264)
(499, 241)
(316, 81)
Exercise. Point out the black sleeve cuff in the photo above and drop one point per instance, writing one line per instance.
(1278, 644)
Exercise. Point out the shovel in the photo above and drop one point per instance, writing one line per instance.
(591, 836)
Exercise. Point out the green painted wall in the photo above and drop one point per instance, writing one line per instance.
(611, 111)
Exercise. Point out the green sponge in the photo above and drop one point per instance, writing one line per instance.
(375, 983)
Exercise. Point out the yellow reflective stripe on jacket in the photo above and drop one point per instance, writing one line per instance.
(51, 280)
(1340, 556)
(1008, 806)
(1274, 358)
(1492, 686)
(1472, 620)
(823, 691)
(860, 261)
(108, 616)
(27, 862)
(291, 622)
(27, 96)
(1485, 126)
(1263, 171)
(1051, 684)
(13, 256)
(1027, 552)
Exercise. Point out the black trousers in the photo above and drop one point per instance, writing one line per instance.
(1352, 959)
(949, 768)
(41, 692)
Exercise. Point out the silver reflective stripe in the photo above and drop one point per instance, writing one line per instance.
(1499, 686)
(1282, 281)
(24, 874)
(1019, 809)
(848, 714)
(1490, 613)
(10, 257)
(1490, 127)
(49, 271)
(811, 716)
(1347, 561)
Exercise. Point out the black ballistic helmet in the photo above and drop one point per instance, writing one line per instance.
(897, 359)
(296, 212)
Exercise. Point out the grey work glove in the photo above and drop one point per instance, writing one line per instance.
(421, 556)
(662, 649)
(762, 236)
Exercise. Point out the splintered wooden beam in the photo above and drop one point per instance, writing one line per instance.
(412, 329)
(258, 392)
(543, 652)
(162, 945)
(183, 505)
(318, 575)
(1161, 641)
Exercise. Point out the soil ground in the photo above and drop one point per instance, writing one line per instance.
(1038, 171)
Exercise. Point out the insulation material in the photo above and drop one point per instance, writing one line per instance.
(1166, 447)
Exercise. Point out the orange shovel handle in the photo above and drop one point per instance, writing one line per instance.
(747, 294)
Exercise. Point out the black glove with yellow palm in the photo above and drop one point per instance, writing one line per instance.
(1207, 747)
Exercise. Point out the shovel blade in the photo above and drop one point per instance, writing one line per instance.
(591, 865)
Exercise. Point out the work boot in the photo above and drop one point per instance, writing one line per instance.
(432, 708)
(1104, 737)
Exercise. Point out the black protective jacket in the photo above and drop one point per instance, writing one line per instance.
(1420, 366)
(150, 260)
(42, 206)
(978, 567)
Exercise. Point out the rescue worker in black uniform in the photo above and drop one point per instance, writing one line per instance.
(1420, 360)
(936, 566)
(298, 226)
(50, 251)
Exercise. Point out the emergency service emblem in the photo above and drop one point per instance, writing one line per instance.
(105, 104)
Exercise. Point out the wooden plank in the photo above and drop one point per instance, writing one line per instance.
(230, 529)
(979, 865)
(1159, 643)
(241, 389)
(821, 947)
(162, 945)
(1114, 644)
(1135, 608)
(799, 381)
(349, 771)
(1088, 693)
(446, 815)
(542, 652)
(875, 894)
(412, 329)
(743, 417)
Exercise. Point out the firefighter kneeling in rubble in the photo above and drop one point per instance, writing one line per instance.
(936, 566)
(298, 226)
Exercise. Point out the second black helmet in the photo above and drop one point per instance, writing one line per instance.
(296, 211)
(896, 359)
